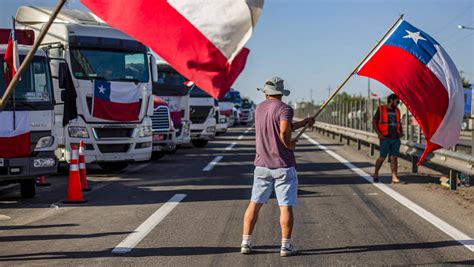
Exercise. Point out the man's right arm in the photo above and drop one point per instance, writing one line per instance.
(285, 134)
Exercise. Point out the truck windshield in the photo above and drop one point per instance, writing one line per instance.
(246, 103)
(35, 83)
(198, 92)
(170, 83)
(109, 65)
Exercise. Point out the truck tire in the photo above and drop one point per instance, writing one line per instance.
(199, 143)
(28, 188)
(113, 166)
(175, 149)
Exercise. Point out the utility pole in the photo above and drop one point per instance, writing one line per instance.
(311, 91)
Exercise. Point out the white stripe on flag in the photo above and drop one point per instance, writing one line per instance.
(212, 19)
(124, 92)
(443, 67)
(6, 126)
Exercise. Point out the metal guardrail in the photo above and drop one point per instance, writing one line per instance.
(452, 160)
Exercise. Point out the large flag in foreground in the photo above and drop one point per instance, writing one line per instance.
(116, 102)
(418, 70)
(202, 40)
(14, 141)
(11, 58)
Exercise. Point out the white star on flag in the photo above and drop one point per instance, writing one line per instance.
(102, 89)
(415, 36)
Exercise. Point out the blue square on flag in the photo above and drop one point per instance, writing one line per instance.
(102, 89)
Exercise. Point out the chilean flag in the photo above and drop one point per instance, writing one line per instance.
(203, 40)
(11, 57)
(116, 102)
(418, 70)
(14, 141)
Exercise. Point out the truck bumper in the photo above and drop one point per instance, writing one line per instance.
(44, 163)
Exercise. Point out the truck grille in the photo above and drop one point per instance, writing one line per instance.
(113, 148)
(160, 119)
(113, 132)
(199, 114)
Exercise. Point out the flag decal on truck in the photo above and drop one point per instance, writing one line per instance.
(116, 102)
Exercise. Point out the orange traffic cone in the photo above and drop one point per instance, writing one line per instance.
(82, 168)
(42, 181)
(74, 192)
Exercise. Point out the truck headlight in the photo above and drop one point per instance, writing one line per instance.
(211, 129)
(145, 131)
(45, 162)
(44, 142)
(78, 132)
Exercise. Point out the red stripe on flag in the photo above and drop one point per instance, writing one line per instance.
(113, 111)
(415, 84)
(15, 146)
(158, 25)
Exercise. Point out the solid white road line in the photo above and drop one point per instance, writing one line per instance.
(145, 228)
(459, 236)
(211, 164)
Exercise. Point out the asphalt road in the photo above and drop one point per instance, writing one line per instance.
(341, 218)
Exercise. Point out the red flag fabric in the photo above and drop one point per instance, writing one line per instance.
(14, 141)
(202, 40)
(11, 57)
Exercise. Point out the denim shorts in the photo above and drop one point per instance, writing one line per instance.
(283, 180)
(389, 147)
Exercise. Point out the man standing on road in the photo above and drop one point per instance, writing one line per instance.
(386, 124)
(274, 164)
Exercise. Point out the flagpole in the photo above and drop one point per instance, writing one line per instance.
(11, 87)
(14, 95)
(334, 93)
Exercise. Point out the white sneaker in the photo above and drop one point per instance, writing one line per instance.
(286, 252)
(245, 249)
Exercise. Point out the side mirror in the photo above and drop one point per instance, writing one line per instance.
(153, 67)
(62, 74)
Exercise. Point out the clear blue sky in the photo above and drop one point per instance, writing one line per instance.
(314, 44)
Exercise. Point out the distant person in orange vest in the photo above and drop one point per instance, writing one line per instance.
(386, 124)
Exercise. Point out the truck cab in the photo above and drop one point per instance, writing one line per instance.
(203, 121)
(97, 53)
(171, 87)
(31, 106)
(248, 109)
(221, 119)
(225, 109)
(164, 135)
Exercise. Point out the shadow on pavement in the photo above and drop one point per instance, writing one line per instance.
(56, 237)
(23, 227)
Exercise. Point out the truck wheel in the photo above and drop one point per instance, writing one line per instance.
(199, 143)
(157, 155)
(175, 149)
(113, 166)
(28, 188)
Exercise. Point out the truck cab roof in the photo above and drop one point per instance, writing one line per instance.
(77, 22)
(23, 50)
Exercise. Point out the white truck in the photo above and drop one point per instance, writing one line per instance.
(221, 119)
(203, 121)
(248, 109)
(33, 102)
(226, 106)
(93, 52)
(171, 87)
(164, 134)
